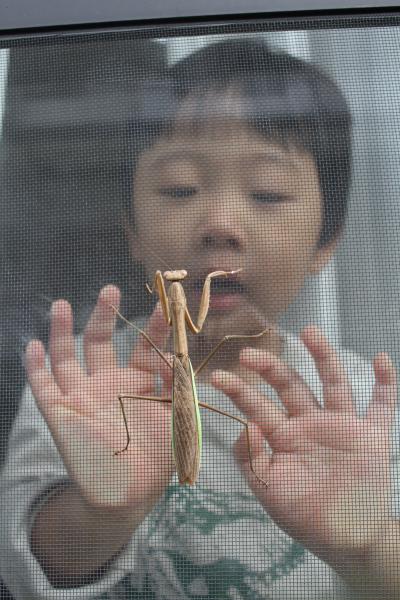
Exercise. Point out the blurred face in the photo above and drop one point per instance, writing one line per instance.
(228, 199)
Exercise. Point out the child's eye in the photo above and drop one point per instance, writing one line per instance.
(268, 197)
(178, 192)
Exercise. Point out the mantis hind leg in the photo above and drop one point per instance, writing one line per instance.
(225, 339)
(243, 422)
(121, 403)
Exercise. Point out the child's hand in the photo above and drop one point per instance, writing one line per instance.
(328, 470)
(80, 405)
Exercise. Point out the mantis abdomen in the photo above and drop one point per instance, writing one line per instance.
(186, 423)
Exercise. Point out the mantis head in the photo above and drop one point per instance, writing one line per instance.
(175, 275)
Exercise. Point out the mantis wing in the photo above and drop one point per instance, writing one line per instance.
(197, 408)
(186, 422)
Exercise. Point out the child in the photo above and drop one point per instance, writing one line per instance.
(250, 171)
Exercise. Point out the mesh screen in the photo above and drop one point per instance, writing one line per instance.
(231, 436)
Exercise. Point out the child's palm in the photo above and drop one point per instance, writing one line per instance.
(328, 469)
(82, 410)
(329, 479)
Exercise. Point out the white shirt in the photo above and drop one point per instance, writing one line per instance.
(210, 541)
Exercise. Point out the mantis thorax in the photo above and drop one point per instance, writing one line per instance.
(177, 302)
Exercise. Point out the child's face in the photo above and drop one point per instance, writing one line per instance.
(228, 199)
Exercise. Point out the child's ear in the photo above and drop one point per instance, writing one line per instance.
(324, 254)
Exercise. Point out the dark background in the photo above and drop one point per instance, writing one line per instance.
(65, 173)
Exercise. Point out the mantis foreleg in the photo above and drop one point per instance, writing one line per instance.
(159, 285)
(205, 301)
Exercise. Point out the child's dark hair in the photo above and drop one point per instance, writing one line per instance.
(284, 98)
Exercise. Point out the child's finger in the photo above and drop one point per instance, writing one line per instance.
(43, 385)
(336, 387)
(64, 364)
(256, 406)
(295, 395)
(384, 399)
(144, 356)
(97, 339)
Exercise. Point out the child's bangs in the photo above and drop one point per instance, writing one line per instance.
(278, 107)
(271, 113)
(208, 111)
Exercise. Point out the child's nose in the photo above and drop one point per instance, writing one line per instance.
(222, 233)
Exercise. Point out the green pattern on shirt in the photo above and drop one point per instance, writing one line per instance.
(207, 545)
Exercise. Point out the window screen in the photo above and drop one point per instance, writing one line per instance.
(199, 312)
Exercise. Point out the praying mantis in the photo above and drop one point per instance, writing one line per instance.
(186, 420)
